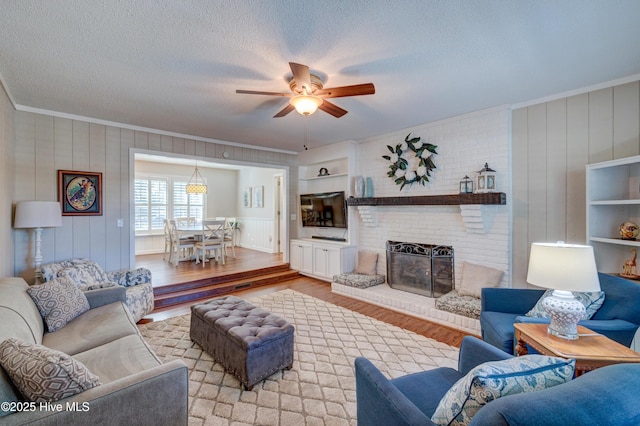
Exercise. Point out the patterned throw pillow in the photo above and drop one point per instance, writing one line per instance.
(591, 301)
(85, 277)
(42, 374)
(59, 301)
(496, 379)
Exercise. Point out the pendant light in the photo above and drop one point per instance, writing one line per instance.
(196, 184)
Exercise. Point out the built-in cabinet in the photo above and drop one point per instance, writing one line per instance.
(613, 197)
(301, 256)
(323, 259)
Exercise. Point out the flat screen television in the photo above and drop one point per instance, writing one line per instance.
(324, 210)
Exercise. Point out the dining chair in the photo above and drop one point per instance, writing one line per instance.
(167, 241)
(212, 239)
(229, 234)
(181, 247)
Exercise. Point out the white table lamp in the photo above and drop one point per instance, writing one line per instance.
(37, 215)
(563, 268)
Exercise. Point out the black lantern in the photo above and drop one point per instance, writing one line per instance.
(466, 185)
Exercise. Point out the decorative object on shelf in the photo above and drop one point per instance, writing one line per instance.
(359, 186)
(466, 185)
(486, 179)
(80, 193)
(629, 230)
(411, 161)
(368, 188)
(37, 215)
(323, 172)
(565, 268)
(196, 184)
(629, 269)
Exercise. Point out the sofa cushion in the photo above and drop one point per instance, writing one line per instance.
(86, 277)
(43, 374)
(455, 303)
(59, 301)
(93, 328)
(492, 380)
(119, 358)
(367, 263)
(476, 277)
(19, 316)
(358, 280)
(591, 301)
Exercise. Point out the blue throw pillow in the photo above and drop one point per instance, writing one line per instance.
(496, 379)
(591, 301)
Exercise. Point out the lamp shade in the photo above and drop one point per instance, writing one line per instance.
(560, 266)
(37, 214)
(306, 104)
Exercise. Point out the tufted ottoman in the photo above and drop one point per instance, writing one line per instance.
(249, 342)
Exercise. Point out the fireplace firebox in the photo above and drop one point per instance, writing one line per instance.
(424, 269)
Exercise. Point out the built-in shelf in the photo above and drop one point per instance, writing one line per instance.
(325, 176)
(432, 200)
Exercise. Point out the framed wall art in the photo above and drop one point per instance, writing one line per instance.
(258, 194)
(80, 193)
(246, 197)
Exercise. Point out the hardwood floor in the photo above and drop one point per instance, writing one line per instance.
(310, 286)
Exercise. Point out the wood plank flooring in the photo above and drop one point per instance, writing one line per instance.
(310, 286)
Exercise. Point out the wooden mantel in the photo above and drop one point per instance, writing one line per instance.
(432, 200)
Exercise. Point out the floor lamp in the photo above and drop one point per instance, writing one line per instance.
(37, 215)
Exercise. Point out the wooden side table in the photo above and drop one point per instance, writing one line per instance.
(591, 350)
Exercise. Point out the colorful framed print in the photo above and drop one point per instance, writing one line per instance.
(80, 193)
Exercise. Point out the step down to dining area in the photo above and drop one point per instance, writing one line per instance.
(204, 288)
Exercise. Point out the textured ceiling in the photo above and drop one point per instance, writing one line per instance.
(174, 65)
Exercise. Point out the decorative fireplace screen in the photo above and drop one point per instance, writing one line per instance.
(424, 269)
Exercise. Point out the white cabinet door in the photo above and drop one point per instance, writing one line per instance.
(320, 260)
(327, 260)
(301, 256)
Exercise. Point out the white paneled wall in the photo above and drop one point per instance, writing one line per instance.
(464, 143)
(257, 234)
(552, 143)
(6, 183)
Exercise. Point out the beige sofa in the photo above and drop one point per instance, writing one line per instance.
(136, 387)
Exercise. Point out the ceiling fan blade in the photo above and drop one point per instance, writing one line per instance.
(255, 92)
(301, 75)
(355, 90)
(332, 109)
(284, 111)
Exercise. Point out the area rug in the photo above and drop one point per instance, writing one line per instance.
(320, 388)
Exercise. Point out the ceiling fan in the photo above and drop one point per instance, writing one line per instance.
(308, 94)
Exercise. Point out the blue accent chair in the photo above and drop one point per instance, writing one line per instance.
(607, 396)
(618, 318)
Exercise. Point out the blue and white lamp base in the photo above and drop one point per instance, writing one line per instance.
(564, 311)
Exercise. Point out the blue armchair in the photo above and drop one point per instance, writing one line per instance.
(609, 395)
(618, 318)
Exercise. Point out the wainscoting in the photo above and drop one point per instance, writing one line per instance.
(254, 234)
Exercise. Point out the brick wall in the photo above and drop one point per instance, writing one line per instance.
(464, 143)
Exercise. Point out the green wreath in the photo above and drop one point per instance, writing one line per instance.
(399, 167)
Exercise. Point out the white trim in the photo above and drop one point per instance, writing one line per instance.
(144, 129)
(575, 92)
(4, 86)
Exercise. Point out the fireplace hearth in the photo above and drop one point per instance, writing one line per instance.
(424, 269)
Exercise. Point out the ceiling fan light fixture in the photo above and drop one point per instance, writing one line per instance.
(306, 104)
